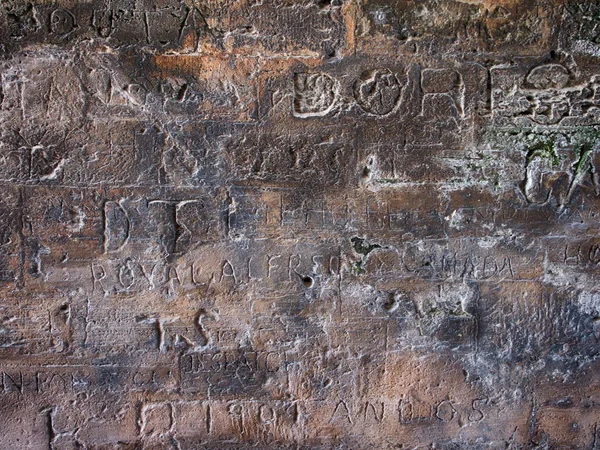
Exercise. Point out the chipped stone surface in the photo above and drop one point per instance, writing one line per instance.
(303, 224)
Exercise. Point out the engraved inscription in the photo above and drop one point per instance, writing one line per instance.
(314, 94)
(299, 224)
(377, 91)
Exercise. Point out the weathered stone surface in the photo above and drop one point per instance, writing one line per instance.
(303, 224)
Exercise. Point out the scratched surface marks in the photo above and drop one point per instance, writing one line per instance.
(299, 224)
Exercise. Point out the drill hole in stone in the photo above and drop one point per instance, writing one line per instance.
(308, 282)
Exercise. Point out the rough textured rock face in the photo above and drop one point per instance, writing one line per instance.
(303, 224)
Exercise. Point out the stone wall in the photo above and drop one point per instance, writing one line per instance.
(299, 224)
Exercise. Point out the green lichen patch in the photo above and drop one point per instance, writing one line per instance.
(362, 246)
(584, 160)
(546, 150)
